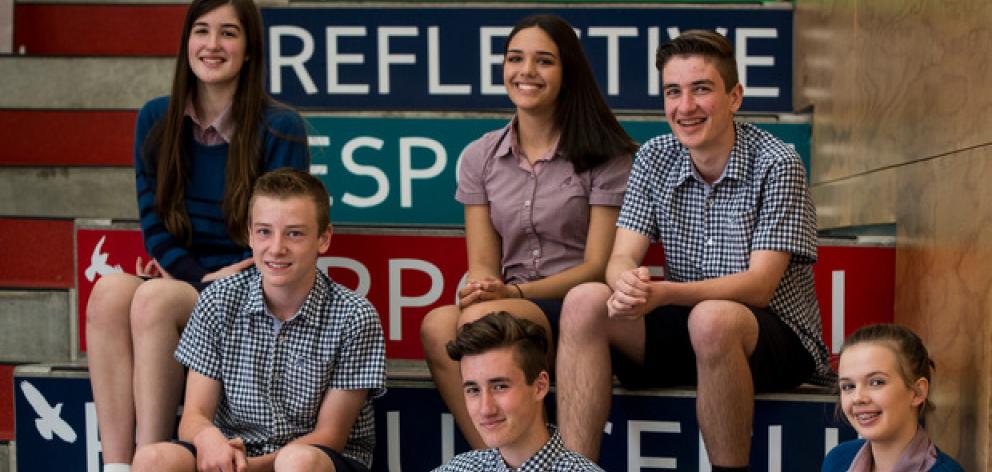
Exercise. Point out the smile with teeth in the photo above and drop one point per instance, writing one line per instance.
(867, 416)
(528, 86)
(277, 265)
(690, 121)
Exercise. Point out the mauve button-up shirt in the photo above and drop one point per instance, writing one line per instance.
(542, 212)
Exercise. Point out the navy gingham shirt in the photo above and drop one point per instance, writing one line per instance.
(553, 457)
(273, 384)
(761, 202)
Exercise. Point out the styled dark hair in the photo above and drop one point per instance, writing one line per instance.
(286, 182)
(166, 148)
(914, 360)
(590, 134)
(501, 329)
(709, 44)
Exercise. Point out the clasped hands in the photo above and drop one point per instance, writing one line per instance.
(488, 288)
(631, 292)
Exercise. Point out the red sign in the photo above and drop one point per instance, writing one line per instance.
(405, 276)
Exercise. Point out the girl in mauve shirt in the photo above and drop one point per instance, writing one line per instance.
(541, 197)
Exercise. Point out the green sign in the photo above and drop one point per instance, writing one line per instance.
(401, 171)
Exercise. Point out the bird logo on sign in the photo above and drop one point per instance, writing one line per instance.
(98, 263)
(49, 421)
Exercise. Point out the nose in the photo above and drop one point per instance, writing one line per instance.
(213, 40)
(488, 404)
(530, 67)
(278, 244)
(859, 396)
(686, 102)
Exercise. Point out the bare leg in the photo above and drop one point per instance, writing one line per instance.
(163, 457)
(723, 335)
(584, 380)
(108, 336)
(440, 326)
(301, 457)
(160, 309)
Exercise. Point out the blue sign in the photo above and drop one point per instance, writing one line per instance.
(445, 58)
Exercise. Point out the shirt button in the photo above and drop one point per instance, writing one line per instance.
(536, 252)
(527, 203)
(709, 242)
(277, 375)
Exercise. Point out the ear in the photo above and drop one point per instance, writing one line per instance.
(736, 97)
(921, 390)
(325, 238)
(542, 385)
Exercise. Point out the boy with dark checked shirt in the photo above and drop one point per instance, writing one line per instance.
(504, 367)
(283, 362)
(737, 312)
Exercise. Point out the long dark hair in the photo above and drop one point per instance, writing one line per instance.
(167, 150)
(590, 134)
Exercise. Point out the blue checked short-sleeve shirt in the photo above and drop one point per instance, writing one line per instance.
(273, 384)
(762, 202)
(552, 457)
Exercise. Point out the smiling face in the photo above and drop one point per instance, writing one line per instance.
(216, 47)
(874, 395)
(285, 243)
(697, 105)
(507, 412)
(532, 71)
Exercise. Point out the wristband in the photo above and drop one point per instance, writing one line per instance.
(520, 291)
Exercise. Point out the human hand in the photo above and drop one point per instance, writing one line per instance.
(214, 452)
(630, 294)
(240, 454)
(150, 269)
(228, 270)
(488, 288)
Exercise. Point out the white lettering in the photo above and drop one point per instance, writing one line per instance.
(487, 59)
(93, 447)
(435, 87)
(612, 35)
(654, 78)
(447, 437)
(775, 448)
(634, 460)
(393, 439)
(382, 183)
(704, 456)
(364, 278)
(334, 59)
(830, 439)
(408, 173)
(278, 61)
(386, 58)
(396, 299)
(836, 310)
(744, 60)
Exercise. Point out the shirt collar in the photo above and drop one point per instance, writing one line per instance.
(310, 309)
(223, 124)
(508, 146)
(736, 168)
(544, 456)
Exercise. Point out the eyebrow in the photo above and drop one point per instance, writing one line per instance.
(539, 53)
(698, 82)
(870, 374)
(225, 25)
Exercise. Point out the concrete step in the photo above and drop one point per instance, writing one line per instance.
(67, 138)
(653, 429)
(68, 192)
(82, 83)
(37, 326)
(36, 253)
(85, 30)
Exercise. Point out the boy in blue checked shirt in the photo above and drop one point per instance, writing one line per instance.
(737, 311)
(504, 367)
(283, 362)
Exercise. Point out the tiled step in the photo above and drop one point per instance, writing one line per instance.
(652, 428)
(82, 83)
(97, 30)
(36, 326)
(405, 273)
(36, 253)
(67, 137)
(68, 192)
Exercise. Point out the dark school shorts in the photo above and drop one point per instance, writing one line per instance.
(552, 311)
(779, 361)
(341, 463)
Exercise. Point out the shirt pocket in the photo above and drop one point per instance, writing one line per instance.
(568, 208)
(306, 380)
(740, 223)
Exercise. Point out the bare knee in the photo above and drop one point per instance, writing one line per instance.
(437, 329)
(299, 457)
(720, 327)
(584, 310)
(162, 303)
(110, 301)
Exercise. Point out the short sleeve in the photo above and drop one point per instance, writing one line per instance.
(199, 348)
(362, 358)
(787, 219)
(637, 212)
(609, 180)
(471, 181)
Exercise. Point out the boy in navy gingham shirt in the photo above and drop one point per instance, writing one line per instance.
(283, 362)
(737, 311)
(504, 367)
